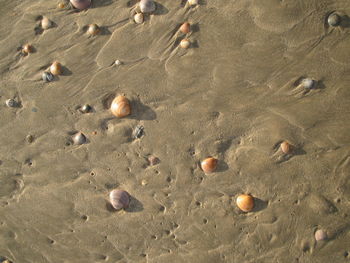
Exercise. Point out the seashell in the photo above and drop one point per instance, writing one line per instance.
(93, 30)
(193, 2)
(320, 235)
(209, 165)
(61, 5)
(152, 160)
(138, 18)
(56, 68)
(185, 43)
(119, 199)
(185, 28)
(30, 138)
(46, 23)
(11, 103)
(138, 132)
(47, 76)
(334, 20)
(81, 4)
(147, 6)
(121, 107)
(118, 62)
(286, 147)
(79, 138)
(86, 108)
(245, 202)
(308, 83)
(27, 48)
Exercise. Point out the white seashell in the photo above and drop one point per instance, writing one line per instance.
(138, 18)
(118, 62)
(11, 103)
(185, 43)
(193, 2)
(79, 138)
(320, 235)
(86, 108)
(308, 83)
(147, 6)
(46, 23)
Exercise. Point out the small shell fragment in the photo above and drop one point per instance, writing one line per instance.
(138, 131)
(46, 23)
(147, 6)
(334, 20)
(93, 30)
(245, 202)
(79, 138)
(11, 103)
(47, 76)
(119, 199)
(185, 43)
(138, 18)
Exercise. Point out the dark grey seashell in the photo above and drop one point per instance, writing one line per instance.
(308, 83)
(79, 138)
(119, 199)
(138, 132)
(334, 20)
(320, 235)
(147, 6)
(11, 103)
(47, 76)
(86, 108)
(81, 4)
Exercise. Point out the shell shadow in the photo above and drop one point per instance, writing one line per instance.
(96, 4)
(131, 3)
(66, 71)
(195, 27)
(141, 111)
(345, 21)
(160, 9)
(134, 206)
(259, 204)
(105, 31)
(222, 166)
(195, 44)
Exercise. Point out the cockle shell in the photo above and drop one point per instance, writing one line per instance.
(138, 18)
(185, 28)
(47, 76)
(185, 43)
(334, 20)
(320, 235)
(120, 107)
(209, 165)
(46, 23)
(27, 48)
(93, 30)
(193, 2)
(56, 68)
(86, 108)
(80, 4)
(79, 138)
(286, 147)
(245, 202)
(147, 6)
(119, 199)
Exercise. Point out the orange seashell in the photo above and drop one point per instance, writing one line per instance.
(26, 49)
(56, 68)
(245, 202)
(61, 5)
(185, 28)
(286, 147)
(209, 165)
(120, 107)
(93, 29)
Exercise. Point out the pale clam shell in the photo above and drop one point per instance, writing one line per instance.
(185, 43)
(86, 108)
(46, 23)
(80, 4)
(93, 29)
(193, 2)
(138, 18)
(308, 83)
(119, 199)
(320, 235)
(79, 138)
(147, 6)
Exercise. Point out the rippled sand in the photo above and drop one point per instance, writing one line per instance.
(232, 95)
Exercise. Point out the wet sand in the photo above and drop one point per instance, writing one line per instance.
(232, 95)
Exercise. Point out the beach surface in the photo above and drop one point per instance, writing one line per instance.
(234, 94)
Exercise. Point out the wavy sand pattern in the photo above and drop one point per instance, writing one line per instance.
(233, 95)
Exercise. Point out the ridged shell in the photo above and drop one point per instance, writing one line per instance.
(334, 20)
(46, 23)
(185, 28)
(209, 165)
(120, 107)
(80, 4)
(119, 199)
(147, 6)
(245, 202)
(47, 76)
(79, 138)
(185, 43)
(93, 29)
(56, 68)
(138, 18)
(285, 147)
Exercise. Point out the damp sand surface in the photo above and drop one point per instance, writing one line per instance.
(233, 95)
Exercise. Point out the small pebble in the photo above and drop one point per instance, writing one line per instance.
(79, 138)
(47, 76)
(86, 108)
(334, 20)
(11, 103)
(320, 235)
(152, 160)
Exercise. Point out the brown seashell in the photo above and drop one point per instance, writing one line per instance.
(27, 48)
(185, 43)
(93, 29)
(119, 199)
(185, 28)
(121, 107)
(56, 68)
(245, 202)
(286, 147)
(209, 165)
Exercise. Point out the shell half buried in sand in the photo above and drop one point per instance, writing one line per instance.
(119, 199)
(147, 6)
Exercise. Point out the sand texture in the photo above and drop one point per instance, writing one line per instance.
(233, 95)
